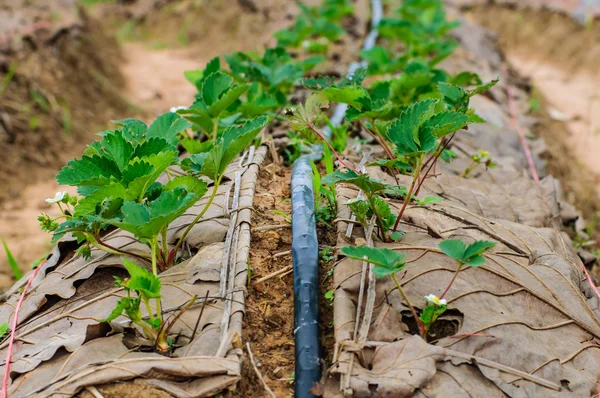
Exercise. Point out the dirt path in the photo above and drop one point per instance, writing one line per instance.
(155, 82)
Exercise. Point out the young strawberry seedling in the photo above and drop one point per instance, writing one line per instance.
(387, 263)
(471, 255)
(480, 158)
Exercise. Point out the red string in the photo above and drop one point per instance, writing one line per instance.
(13, 331)
(517, 126)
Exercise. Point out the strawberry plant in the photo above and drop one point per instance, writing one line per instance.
(273, 74)
(316, 27)
(373, 205)
(145, 286)
(471, 255)
(217, 95)
(386, 263)
(480, 158)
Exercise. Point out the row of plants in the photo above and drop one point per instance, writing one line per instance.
(413, 109)
(135, 179)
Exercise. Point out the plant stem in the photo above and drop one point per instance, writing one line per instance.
(460, 265)
(113, 250)
(150, 312)
(165, 249)
(199, 216)
(377, 137)
(410, 191)
(331, 148)
(380, 140)
(435, 159)
(377, 217)
(215, 129)
(412, 309)
(154, 244)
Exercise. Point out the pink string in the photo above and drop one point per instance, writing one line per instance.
(13, 330)
(513, 117)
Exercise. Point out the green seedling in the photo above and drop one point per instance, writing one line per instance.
(302, 120)
(316, 24)
(471, 255)
(325, 202)
(434, 308)
(141, 287)
(373, 205)
(12, 262)
(275, 72)
(387, 263)
(3, 330)
(480, 158)
(217, 94)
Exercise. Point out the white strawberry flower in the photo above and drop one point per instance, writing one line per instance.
(433, 299)
(57, 198)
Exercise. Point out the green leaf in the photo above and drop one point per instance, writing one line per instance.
(146, 221)
(465, 79)
(429, 199)
(3, 329)
(431, 313)
(483, 87)
(167, 126)
(447, 122)
(119, 149)
(89, 170)
(453, 248)
(406, 132)
(304, 116)
(479, 247)
(145, 283)
(194, 146)
(87, 205)
(153, 146)
(139, 177)
(386, 261)
(362, 181)
(354, 96)
(227, 98)
(214, 86)
(133, 130)
(234, 140)
(14, 266)
(396, 236)
(126, 304)
(475, 261)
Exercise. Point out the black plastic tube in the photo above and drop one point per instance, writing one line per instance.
(305, 249)
(305, 254)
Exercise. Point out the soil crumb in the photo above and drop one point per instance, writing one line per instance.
(269, 320)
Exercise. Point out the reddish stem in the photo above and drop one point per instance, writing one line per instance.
(331, 148)
(435, 157)
(14, 329)
(452, 280)
(409, 194)
(125, 252)
(385, 147)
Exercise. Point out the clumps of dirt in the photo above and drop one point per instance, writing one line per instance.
(59, 87)
(269, 321)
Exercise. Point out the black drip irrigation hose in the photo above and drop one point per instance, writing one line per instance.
(305, 247)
